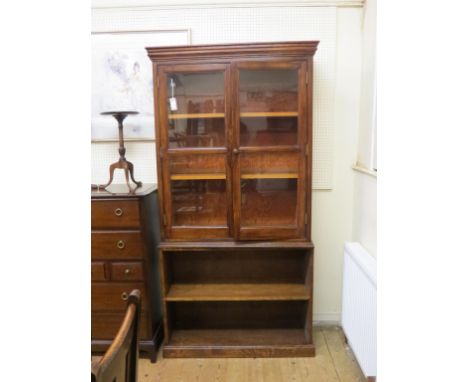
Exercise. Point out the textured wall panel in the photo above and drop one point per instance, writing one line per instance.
(238, 24)
(141, 154)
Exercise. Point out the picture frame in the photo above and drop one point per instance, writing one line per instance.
(122, 78)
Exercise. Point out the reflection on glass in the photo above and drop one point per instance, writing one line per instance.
(268, 202)
(268, 107)
(202, 166)
(272, 165)
(268, 90)
(196, 132)
(196, 109)
(199, 202)
(268, 131)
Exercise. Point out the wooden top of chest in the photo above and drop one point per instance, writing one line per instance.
(121, 191)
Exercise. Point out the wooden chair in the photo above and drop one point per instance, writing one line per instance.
(120, 362)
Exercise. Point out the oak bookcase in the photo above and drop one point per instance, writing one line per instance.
(234, 147)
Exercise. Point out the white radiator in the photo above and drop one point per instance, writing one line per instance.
(359, 311)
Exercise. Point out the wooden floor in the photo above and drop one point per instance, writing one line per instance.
(334, 362)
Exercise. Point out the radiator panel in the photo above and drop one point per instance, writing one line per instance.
(359, 310)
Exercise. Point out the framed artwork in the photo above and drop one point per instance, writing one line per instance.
(122, 79)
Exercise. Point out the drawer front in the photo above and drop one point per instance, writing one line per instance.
(127, 271)
(116, 245)
(113, 296)
(115, 214)
(98, 271)
(104, 326)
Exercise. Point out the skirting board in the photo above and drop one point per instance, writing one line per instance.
(331, 318)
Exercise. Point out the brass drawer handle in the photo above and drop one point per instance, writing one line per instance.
(118, 212)
(127, 271)
(121, 244)
(124, 296)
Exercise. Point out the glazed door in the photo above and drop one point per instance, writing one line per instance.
(194, 140)
(269, 148)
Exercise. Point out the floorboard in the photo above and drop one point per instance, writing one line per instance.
(344, 361)
(334, 362)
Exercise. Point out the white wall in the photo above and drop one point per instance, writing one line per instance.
(365, 182)
(332, 209)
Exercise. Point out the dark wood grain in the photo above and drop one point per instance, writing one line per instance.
(127, 271)
(112, 244)
(121, 191)
(281, 49)
(236, 266)
(120, 362)
(245, 314)
(114, 296)
(122, 252)
(115, 213)
(98, 271)
(278, 132)
(238, 343)
(233, 245)
(237, 292)
(234, 169)
(105, 325)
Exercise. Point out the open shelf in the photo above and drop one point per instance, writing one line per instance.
(237, 292)
(238, 343)
(249, 114)
(197, 176)
(270, 176)
(196, 115)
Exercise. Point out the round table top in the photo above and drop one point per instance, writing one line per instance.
(119, 112)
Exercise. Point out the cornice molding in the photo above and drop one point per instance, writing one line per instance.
(189, 4)
(292, 48)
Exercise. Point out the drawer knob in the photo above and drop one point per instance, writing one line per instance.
(127, 271)
(118, 212)
(121, 244)
(124, 296)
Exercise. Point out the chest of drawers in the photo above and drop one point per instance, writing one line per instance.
(124, 237)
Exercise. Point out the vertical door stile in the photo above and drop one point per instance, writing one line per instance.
(229, 167)
(309, 144)
(302, 137)
(166, 186)
(235, 157)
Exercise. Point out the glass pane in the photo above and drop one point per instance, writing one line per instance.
(268, 202)
(276, 165)
(196, 109)
(269, 188)
(268, 107)
(198, 187)
(268, 131)
(199, 202)
(201, 166)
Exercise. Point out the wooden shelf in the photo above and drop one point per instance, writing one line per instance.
(196, 115)
(237, 292)
(197, 176)
(270, 176)
(238, 343)
(249, 114)
(234, 245)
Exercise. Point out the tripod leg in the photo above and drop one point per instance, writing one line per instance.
(112, 168)
(130, 167)
(126, 178)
